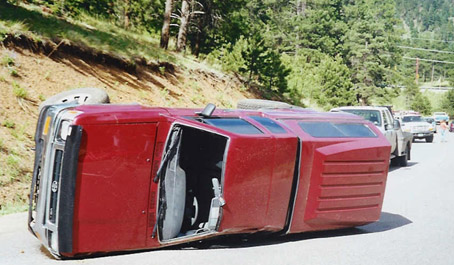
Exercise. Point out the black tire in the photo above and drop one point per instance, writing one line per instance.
(262, 104)
(86, 95)
(394, 161)
(430, 139)
(403, 160)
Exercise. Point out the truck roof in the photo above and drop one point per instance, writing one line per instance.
(359, 108)
(112, 113)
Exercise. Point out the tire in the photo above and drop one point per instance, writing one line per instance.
(394, 161)
(403, 160)
(262, 104)
(86, 95)
(430, 139)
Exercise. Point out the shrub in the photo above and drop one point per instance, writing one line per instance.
(13, 71)
(7, 61)
(9, 124)
(19, 91)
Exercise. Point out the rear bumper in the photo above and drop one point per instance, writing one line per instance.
(422, 135)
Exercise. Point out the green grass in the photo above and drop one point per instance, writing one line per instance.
(100, 34)
(12, 160)
(2, 145)
(19, 91)
(435, 98)
(15, 207)
(13, 71)
(9, 124)
(19, 133)
(7, 61)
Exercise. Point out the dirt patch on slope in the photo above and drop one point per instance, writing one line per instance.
(27, 78)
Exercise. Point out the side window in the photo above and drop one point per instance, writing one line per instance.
(387, 122)
(234, 125)
(391, 120)
(269, 124)
(336, 130)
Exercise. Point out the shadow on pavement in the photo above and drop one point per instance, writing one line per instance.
(388, 221)
(410, 164)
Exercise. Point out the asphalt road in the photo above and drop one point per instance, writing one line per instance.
(416, 227)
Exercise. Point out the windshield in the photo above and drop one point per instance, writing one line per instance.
(370, 115)
(412, 119)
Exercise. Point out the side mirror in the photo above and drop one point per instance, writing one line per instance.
(396, 124)
(207, 111)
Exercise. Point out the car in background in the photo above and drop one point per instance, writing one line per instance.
(431, 121)
(451, 127)
(441, 116)
(382, 118)
(416, 125)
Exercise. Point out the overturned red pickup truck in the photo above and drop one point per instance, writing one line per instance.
(127, 177)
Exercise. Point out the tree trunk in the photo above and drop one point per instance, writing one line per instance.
(184, 21)
(198, 39)
(300, 11)
(165, 32)
(251, 70)
(126, 14)
(301, 7)
(62, 7)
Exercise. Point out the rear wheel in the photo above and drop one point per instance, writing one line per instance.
(402, 160)
(261, 103)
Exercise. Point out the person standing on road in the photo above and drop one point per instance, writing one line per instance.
(443, 128)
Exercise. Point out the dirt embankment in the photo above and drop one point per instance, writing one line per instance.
(27, 78)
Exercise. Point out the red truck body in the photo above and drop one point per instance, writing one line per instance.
(116, 185)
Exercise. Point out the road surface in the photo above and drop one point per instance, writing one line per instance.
(416, 227)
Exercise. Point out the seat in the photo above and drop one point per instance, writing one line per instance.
(374, 119)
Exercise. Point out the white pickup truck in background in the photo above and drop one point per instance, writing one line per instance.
(419, 127)
(382, 118)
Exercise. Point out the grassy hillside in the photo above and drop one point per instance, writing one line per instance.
(85, 31)
(41, 55)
